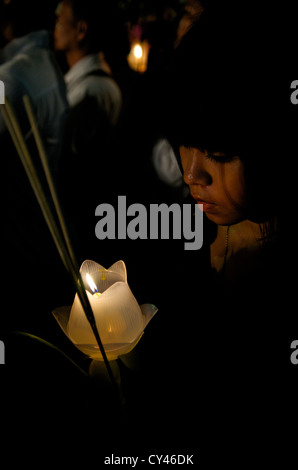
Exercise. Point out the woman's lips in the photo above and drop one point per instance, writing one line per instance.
(207, 205)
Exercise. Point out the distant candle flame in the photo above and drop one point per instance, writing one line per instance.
(138, 51)
(92, 284)
(138, 56)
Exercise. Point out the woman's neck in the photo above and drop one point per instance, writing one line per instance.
(236, 249)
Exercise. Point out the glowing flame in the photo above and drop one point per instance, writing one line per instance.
(138, 51)
(92, 284)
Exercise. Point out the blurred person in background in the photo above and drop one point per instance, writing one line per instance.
(192, 11)
(28, 67)
(81, 33)
(84, 32)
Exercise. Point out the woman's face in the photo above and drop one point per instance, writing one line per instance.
(217, 182)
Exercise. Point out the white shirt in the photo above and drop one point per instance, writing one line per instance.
(28, 67)
(165, 164)
(81, 84)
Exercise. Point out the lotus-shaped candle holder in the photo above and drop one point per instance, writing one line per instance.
(119, 318)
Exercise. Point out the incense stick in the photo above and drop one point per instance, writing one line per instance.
(47, 171)
(21, 147)
(68, 258)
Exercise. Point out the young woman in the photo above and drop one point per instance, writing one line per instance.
(226, 320)
(229, 120)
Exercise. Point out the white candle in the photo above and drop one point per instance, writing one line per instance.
(119, 318)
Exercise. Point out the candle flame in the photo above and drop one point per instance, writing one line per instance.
(138, 51)
(92, 284)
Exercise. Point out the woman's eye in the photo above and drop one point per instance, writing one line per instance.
(221, 158)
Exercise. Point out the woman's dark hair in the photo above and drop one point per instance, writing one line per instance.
(227, 89)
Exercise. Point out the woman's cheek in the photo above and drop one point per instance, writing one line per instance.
(235, 182)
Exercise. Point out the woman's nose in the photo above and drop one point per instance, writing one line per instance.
(196, 173)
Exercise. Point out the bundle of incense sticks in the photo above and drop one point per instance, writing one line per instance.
(60, 235)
